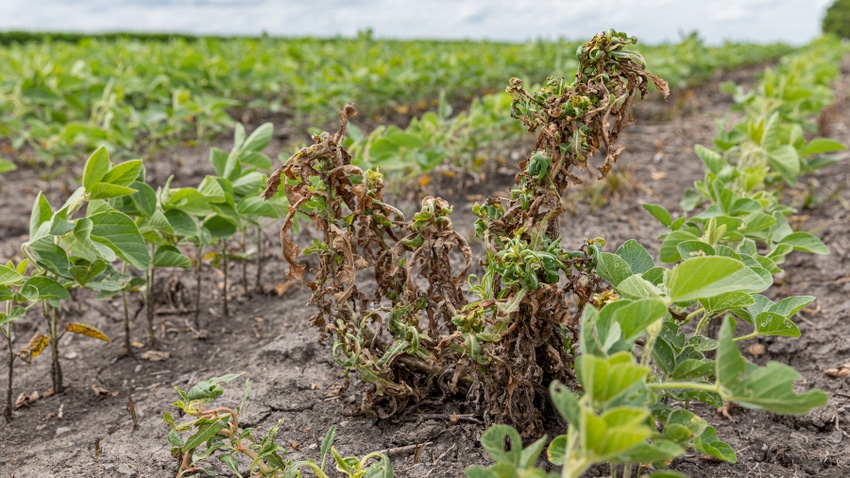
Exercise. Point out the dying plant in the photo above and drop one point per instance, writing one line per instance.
(418, 333)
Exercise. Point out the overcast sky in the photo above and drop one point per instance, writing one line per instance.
(652, 21)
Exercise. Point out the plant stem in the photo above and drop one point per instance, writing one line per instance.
(56, 368)
(10, 362)
(705, 387)
(627, 470)
(126, 321)
(150, 305)
(224, 270)
(244, 261)
(746, 337)
(259, 255)
(199, 259)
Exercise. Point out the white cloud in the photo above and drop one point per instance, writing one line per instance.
(652, 21)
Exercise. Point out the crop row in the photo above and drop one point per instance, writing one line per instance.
(136, 95)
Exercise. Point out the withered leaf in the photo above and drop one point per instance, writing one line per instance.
(87, 330)
(156, 355)
(838, 372)
(37, 344)
(24, 399)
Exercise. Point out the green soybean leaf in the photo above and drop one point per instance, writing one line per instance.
(708, 443)
(612, 268)
(218, 159)
(805, 242)
(705, 277)
(556, 453)
(636, 256)
(690, 249)
(659, 213)
(41, 214)
(769, 323)
(729, 300)
(770, 387)
(144, 198)
(669, 247)
(96, 168)
(712, 160)
(9, 275)
(48, 288)
(493, 440)
(635, 317)
(259, 138)
(123, 174)
(170, 256)
(182, 223)
(822, 145)
(565, 402)
(107, 191)
(785, 160)
(204, 433)
(117, 231)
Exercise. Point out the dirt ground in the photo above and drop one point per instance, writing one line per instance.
(81, 433)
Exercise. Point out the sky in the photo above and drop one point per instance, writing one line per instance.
(652, 21)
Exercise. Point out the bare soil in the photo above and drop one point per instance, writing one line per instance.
(82, 433)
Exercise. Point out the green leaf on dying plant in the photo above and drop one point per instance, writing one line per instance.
(327, 443)
(87, 330)
(204, 433)
(557, 450)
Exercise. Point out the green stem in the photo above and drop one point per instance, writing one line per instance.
(705, 387)
(749, 336)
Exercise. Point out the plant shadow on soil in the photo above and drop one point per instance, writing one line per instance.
(83, 433)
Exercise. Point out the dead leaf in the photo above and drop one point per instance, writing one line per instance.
(295, 445)
(86, 329)
(24, 399)
(283, 288)
(838, 372)
(102, 392)
(658, 175)
(37, 344)
(755, 350)
(424, 180)
(137, 345)
(155, 355)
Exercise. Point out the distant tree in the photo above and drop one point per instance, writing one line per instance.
(837, 19)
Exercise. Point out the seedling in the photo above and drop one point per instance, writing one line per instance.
(216, 431)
